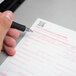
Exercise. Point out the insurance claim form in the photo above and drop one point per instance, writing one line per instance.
(50, 50)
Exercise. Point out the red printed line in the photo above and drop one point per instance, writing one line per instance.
(40, 56)
(20, 67)
(49, 59)
(14, 72)
(68, 48)
(55, 34)
(57, 40)
(2, 74)
(53, 41)
(17, 60)
(37, 54)
(60, 55)
(25, 53)
(36, 40)
(52, 61)
(50, 40)
(71, 58)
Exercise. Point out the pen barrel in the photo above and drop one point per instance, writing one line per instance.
(18, 26)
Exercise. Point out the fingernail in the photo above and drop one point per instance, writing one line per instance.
(8, 14)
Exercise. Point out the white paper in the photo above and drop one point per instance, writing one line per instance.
(49, 51)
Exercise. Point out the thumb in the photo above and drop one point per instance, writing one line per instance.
(5, 23)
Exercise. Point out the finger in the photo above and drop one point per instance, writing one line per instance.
(0, 13)
(9, 41)
(5, 23)
(6, 19)
(8, 14)
(9, 50)
(13, 33)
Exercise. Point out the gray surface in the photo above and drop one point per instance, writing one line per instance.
(61, 12)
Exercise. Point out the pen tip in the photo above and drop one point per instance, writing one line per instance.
(29, 30)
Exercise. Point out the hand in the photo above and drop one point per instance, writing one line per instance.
(7, 34)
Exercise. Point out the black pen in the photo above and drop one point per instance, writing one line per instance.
(20, 27)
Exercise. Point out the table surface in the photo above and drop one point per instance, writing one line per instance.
(61, 12)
